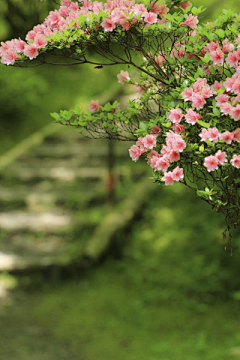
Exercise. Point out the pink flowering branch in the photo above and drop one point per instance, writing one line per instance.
(185, 117)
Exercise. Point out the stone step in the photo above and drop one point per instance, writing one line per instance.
(63, 174)
(35, 221)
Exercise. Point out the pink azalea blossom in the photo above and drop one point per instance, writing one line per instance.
(94, 105)
(135, 152)
(236, 86)
(236, 135)
(185, 5)
(226, 108)
(175, 142)
(40, 41)
(187, 94)
(153, 159)
(9, 57)
(161, 164)
(140, 143)
(217, 57)
(235, 161)
(213, 134)
(226, 136)
(173, 156)
(140, 88)
(175, 115)
(108, 24)
(235, 112)
(211, 163)
(150, 18)
(168, 178)
(227, 47)
(123, 77)
(217, 85)
(31, 51)
(206, 92)
(151, 154)
(204, 135)
(199, 84)
(221, 98)
(191, 21)
(178, 128)
(232, 59)
(177, 174)
(159, 9)
(192, 116)
(198, 101)
(228, 84)
(221, 157)
(149, 141)
(19, 45)
(156, 129)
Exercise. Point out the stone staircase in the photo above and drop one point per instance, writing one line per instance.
(54, 197)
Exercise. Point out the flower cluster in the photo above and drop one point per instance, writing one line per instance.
(114, 13)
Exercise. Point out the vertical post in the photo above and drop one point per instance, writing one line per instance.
(110, 179)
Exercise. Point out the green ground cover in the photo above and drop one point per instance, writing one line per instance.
(172, 293)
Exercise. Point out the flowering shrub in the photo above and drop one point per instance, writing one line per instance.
(185, 117)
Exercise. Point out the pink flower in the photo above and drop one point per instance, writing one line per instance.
(232, 59)
(31, 51)
(156, 129)
(235, 161)
(192, 116)
(235, 112)
(40, 41)
(168, 178)
(217, 57)
(151, 154)
(213, 134)
(149, 141)
(221, 98)
(150, 18)
(221, 157)
(19, 45)
(198, 101)
(191, 21)
(108, 24)
(227, 47)
(185, 5)
(199, 84)
(173, 156)
(226, 108)
(175, 116)
(206, 92)
(135, 152)
(228, 84)
(211, 163)
(160, 9)
(93, 106)
(217, 85)
(227, 137)
(140, 88)
(161, 164)
(204, 135)
(177, 174)
(153, 159)
(178, 128)
(123, 77)
(175, 142)
(236, 135)
(187, 94)
(9, 57)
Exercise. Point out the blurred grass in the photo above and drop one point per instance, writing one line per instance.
(170, 295)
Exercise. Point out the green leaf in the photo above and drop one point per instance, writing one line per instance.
(203, 124)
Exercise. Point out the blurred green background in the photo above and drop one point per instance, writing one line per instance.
(171, 294)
